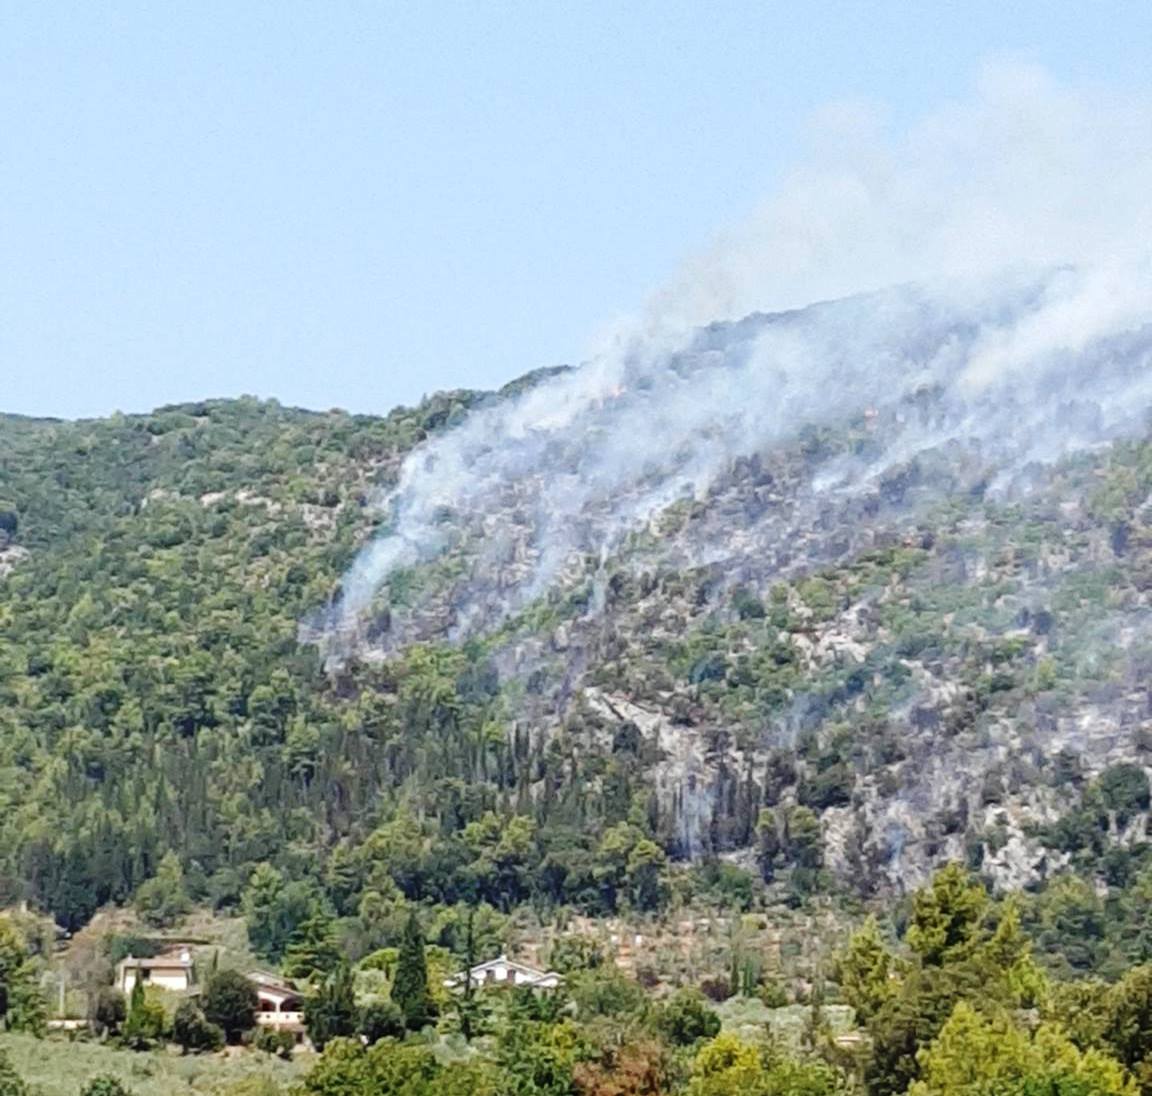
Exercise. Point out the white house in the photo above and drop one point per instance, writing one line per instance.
(166, 971)
(281, 1005)
(502, 971)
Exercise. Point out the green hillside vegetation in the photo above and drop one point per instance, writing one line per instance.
(166, 738)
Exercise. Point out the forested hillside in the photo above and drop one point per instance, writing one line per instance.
(154, 696)
(925, 674)
(765, 712)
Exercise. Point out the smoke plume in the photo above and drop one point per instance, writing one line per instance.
(986, 283)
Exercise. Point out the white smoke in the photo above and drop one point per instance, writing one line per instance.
(1015, 228)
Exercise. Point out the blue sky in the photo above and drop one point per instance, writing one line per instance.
(351, 204)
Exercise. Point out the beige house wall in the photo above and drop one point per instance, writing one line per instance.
(163, 979)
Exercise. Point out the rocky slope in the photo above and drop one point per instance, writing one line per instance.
(918, 618)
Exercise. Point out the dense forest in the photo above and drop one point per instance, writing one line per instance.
(156, 699)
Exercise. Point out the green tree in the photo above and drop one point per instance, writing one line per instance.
(107, 1011)
(347, 1068)
(312, 948)
(767, 843)
(146, 1024)
(191, 1030)
(230, 1002)
(605, 991)
(330, 1012)
(410, 986)
(1082, 1009)
(572, 953)
(1124, 789)
(803, 846)
(22, 1006)
(1128, 1024)
(1007, 958)
(978, 1055)
(645, 874)
(537, 1059)
(12, 959)
(379, 1019)
(911, 1018)
(686, 1018)
(864, 971)
(503, 851)
(27, 1006)
(274, 1042)
(1072, 923)
(163, 900)
(728, 1065)
(947, 917)
(274, 909)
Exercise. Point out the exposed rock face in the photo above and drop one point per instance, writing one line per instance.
(917, 673)
(11, 555)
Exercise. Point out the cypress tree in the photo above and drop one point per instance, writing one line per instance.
(410, 988)
(330, 1013)
(467, 1007)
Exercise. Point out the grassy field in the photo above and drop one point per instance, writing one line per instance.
(59, 1067)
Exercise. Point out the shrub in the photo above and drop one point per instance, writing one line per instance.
(11, 1083)
(716, 989)
(686, 1019)
(380, 1019)
(105, 1085)
(773, 995)
(277, 1043)
(192, 1031)
(107, 1011)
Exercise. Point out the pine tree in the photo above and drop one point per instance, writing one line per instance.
(312, 949)
(947, 917)
(163, 900)
(410, 987)
(864, 971)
